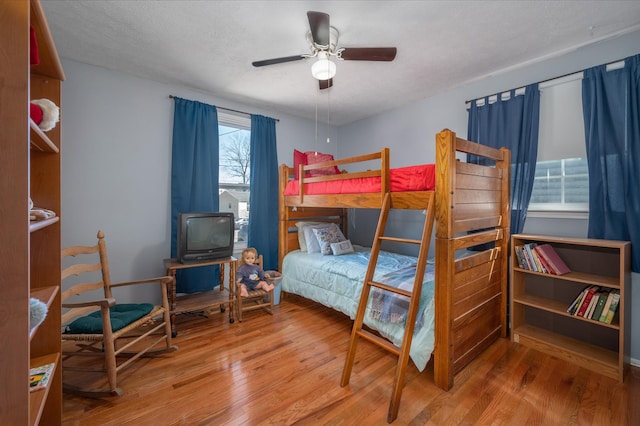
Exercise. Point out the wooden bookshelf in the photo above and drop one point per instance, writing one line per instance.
(539, 303)
(29, 251)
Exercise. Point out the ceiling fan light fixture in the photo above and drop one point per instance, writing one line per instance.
(323, 68)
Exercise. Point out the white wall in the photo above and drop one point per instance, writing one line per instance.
(116, 146)
(116, 163)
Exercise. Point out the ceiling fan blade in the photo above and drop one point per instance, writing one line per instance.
(277, 60)
(319, 25)
(369, 53)
(325, 84)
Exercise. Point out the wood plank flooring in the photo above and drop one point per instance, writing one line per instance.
(285, 369)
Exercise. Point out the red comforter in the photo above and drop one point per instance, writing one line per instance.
(403, 179)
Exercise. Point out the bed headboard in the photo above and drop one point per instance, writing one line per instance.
(288, 235)
(310, 214)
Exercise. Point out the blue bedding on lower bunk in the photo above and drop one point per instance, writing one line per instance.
(336, 282)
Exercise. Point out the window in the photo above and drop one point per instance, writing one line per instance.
(561, 185)
(235, 136)
(562, 180)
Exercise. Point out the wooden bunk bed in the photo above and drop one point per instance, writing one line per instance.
(471, 208)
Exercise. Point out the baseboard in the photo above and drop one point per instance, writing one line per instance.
(635, 362)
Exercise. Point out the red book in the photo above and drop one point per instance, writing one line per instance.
(587, 301)
(553, 260)
(547, 268)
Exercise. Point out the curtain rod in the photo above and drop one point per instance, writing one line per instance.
(613, 65)
(226, 109)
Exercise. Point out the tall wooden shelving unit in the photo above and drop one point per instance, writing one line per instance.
(29, 252)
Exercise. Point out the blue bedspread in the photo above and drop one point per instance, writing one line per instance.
(336, 282)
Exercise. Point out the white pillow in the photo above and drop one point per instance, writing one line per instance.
(328, 236)
(311, 239)
(342, 247)
(301, 238)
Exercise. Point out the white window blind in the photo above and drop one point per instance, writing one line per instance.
(234, 119)
(561, 133)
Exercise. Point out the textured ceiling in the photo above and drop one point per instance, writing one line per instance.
(209, 45)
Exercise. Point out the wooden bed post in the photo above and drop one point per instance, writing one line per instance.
(472, 208)
(505, 166)
(283, 213)
(445, 184)
(385, 180)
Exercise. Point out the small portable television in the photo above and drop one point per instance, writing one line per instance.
(204, 236)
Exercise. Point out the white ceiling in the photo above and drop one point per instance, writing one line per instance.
(209, 45)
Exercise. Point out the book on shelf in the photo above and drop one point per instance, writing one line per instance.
(523, 259)
(546, 268)
(586, 300)
(592, 305)
(39, 376)
(552, 258)
(607, 305)
(575, 305)
(529, 259)
(613, 308)
(529, 256)
(519, 257)
(539, 265)
(602, 300)
(523, 256)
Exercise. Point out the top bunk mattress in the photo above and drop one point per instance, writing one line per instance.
(402, 179)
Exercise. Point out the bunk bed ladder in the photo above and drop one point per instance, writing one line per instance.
(414, 299)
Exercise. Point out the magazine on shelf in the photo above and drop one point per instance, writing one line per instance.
(39, 376)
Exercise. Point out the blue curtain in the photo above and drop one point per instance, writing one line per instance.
(611, 108)
(263, 200)
(511, 123)
(194, 180)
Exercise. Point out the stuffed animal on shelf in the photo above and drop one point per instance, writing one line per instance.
(44, 113)
(37, 312)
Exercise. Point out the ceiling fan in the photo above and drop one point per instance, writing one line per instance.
(323, 39)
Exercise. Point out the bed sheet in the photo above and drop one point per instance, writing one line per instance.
(336, 282)
(402, 179)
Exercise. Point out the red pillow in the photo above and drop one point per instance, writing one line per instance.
(314, 157)
(299, 158)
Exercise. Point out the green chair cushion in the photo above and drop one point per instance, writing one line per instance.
(121, 316)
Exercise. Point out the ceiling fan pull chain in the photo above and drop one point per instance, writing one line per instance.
(316, 140)
(328, 116)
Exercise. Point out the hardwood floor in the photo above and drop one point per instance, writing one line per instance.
(285, 369)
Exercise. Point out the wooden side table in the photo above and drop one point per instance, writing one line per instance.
(206, 299)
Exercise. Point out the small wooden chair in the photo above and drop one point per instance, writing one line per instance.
(256, 299)
(104, 329)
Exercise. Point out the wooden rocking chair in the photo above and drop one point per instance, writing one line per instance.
(101, 328)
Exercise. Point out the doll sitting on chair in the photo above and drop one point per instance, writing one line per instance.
(251, 276)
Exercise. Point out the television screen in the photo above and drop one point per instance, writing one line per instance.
(207, 233)
(205, 236)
